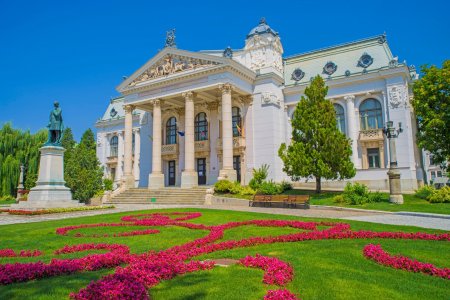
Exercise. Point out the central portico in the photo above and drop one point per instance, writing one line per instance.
(198, 104)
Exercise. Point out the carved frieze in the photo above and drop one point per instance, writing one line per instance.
(171, 64)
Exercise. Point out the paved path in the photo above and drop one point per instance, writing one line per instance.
(425, 221)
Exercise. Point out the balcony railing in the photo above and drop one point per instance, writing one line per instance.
(171, 149)
(202, 146)
(111, 159)
(371, 135)
(238, 143)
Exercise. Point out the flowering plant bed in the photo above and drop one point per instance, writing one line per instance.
(136, 275)
(54, 210)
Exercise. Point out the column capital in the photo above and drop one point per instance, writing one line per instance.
(157, 102)
(226, 88)
(349, 98)
(129, 108)
(188, 96)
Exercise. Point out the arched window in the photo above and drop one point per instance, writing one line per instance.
(340, 117)
(236, 119)
(114, 146)
(201, 127)
(371, 114)
(171, 131)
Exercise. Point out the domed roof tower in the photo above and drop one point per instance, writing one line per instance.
(264, 49)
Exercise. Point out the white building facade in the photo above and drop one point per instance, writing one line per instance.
(190, 118)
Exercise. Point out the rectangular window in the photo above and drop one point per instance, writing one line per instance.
(439, 173)
(373, 156)
(431, 160)
(433, 175)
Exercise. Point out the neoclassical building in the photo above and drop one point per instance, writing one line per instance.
(190, 118)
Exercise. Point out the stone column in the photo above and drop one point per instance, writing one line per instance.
(156, 178)
(128, 177)
(351, 127)
(227, 171)
(189, 177)
(137, 153)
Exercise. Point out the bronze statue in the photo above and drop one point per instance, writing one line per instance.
(55, 126)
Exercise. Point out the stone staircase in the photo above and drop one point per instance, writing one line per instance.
(169, 196)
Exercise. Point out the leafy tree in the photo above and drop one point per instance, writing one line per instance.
(432, 107)
(18, 147)
(83, 173)
(317, 147)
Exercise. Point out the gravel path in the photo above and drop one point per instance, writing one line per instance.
(425, 221)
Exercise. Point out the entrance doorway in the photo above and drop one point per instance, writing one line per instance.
(201, 170)
(237, 167)
(172, 172)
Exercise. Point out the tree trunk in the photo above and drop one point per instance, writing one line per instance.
(318, 185)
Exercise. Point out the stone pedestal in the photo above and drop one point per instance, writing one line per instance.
(155, 181)
(49, 191)
(228, 174)
(395, 188)
(189, 179)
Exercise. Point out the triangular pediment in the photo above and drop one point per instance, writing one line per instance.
(171, 62)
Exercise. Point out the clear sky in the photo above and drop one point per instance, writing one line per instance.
(77, 51)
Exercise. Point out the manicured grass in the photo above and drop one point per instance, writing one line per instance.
(324, 269)
(7, 202)
(411, 202)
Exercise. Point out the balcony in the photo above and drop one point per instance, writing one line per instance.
(111, 160)
(238, 145)
(371, 135)
(201, 148)
(169, 152)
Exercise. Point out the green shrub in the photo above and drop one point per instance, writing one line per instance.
(338, 199)
(285, 185)
(248, 191)
(440, 196)
(108, 184)
(425, 191)
(223, 186)
(269, 188)
(7, 198)
(375, 197)
(259, 175)
(236, 188)
(357, 194)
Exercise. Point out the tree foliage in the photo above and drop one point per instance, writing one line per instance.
(18, 147)
(83, 173)
(432, 107)
(317, 149)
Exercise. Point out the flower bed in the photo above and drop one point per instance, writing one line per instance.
(135, 274)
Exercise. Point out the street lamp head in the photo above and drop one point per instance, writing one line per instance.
(400, 129)
(389, 124)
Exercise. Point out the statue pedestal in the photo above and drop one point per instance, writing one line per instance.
(50, 191)
(395, 195)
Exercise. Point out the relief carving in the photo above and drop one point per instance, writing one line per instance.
(169, 65)
(396, 96)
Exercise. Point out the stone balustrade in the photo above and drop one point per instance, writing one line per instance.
(371, 135)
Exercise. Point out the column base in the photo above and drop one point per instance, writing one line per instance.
(397, 199)
(155, 181)
(189, 179)
(128, 181)
(227, 174)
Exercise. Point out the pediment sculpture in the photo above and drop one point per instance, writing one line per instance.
(171, 64)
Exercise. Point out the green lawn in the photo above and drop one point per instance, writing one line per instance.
(411, 202)
(323, 269)
(7, 202)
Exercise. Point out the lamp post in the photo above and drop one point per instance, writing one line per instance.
(395, 189)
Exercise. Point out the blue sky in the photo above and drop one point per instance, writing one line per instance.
(77, 51)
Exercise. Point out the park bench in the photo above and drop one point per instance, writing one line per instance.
(289, 201)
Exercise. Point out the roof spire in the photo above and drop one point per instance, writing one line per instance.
(262, 21)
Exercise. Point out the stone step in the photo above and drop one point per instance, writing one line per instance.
(169, 196)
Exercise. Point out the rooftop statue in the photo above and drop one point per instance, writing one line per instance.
(55, 126)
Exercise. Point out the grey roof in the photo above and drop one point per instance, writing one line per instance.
(262, 28)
